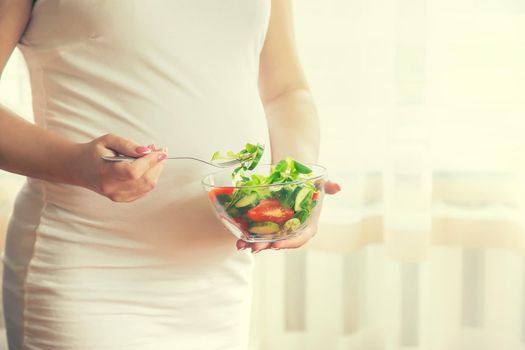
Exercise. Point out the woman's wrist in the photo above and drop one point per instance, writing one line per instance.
(74, 165)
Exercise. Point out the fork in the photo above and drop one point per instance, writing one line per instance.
(230, 163)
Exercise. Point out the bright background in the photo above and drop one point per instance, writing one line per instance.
(422, 105)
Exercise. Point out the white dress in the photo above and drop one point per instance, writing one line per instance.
(82, 272)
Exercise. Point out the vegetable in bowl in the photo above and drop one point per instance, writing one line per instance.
(265, 202)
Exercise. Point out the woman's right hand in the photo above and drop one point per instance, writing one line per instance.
(119, 181)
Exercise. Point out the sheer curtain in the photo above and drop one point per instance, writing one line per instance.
(422, 105)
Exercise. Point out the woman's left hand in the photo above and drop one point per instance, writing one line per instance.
(296, 242)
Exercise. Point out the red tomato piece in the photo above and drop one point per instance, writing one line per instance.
(221, 190)
(315, 195)
(270, 210)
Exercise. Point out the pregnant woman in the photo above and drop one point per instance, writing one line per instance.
(104, 255)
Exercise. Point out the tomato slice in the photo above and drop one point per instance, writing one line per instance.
(220, 190)
(315, 195)
(270, 210)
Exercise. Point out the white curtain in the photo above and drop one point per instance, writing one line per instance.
(422, 105)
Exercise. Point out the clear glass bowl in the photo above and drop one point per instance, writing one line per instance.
(265, 213)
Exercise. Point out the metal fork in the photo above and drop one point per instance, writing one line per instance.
(227, 164)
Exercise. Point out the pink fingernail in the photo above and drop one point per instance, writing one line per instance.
(162, 156)
(142, 150)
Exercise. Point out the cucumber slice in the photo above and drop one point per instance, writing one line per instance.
(301, 197)
(264, 228)
(249, 200)
(292, 224)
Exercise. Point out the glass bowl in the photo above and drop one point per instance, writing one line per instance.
(265, 213)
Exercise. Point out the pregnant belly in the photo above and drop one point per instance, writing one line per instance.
(172, 223)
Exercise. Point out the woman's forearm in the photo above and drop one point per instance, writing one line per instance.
(35, 152)
(294, 126)
(30, 150)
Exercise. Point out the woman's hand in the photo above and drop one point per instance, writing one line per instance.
(52, 157)
(295, 242)
(119, 181)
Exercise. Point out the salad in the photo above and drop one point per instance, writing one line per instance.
(256, 207)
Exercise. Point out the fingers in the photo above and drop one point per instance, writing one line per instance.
(145, 163)
(291, 243)
(124, 181)
(128, 181)
(297, 241)
(151, 177)
(255, 247)
(130, 190)
(124, 146)
(136, 169)
(131, 171)
(142, 186)
(240, 244)
(331, 187)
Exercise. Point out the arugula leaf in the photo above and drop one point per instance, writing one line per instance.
(249, 157)
(302, 215)
(216, 156)
(281, 166)
(286, 195)
(301, 168)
